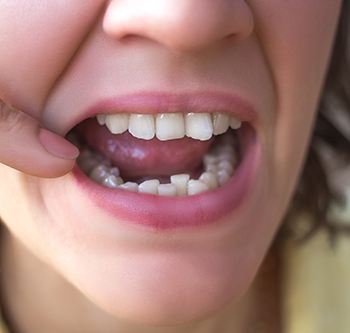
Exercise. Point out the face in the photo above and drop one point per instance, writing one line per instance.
(146, 258)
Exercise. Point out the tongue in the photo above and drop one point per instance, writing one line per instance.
(138, 158)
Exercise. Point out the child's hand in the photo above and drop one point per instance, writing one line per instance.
(25, 146)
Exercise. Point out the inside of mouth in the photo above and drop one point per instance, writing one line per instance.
(177, 167)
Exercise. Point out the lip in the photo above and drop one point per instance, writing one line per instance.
(159, 213)
(148, 102)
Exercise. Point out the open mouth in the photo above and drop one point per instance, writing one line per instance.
(173, 164)
(170, 154)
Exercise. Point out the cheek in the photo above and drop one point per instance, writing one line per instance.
(37, 40)
(298, 51)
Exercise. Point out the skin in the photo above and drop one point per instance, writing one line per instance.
(273, 53)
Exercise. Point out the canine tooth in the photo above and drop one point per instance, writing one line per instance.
(117, 123)
(130, 186)
(180, 182)
(142, 126)
(196, 186)
(199, 126)
(112, 181)
(99, 172)
(209, 178)
(170, 126)
(101, 119)
(221, 123)
(149, 186)
(223, 176)
(168, 190)
(235, 123)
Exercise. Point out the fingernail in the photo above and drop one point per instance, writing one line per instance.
(57, 145)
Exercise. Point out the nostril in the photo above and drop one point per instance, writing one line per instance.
(181, 25)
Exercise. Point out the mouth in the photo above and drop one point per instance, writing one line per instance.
(169, 162)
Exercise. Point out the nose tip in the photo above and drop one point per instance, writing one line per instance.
(182, 25)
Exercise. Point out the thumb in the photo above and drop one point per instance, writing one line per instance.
(27, 147)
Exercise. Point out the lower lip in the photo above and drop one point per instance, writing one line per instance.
(170, 213)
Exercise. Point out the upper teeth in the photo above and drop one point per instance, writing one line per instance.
(169, 126)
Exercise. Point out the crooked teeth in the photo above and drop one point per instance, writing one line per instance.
(218, 165)
(168, 190)
(170, 126)
(180, 183)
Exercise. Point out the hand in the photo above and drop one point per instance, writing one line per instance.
(27, 147)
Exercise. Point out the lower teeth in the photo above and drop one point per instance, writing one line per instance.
(218, 166)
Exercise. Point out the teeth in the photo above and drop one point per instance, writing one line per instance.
(149, 186)
(221, 123)
(168, 190)
(196, 186)
(199, 126)
(180, 183)
(223, 176)
(117, 123)
(99, 172)
(130, 186)
(101, 119)
(142, 126)
(235, 123)
(170, 126)
(112, 181)
(209, 179)
(218, 164)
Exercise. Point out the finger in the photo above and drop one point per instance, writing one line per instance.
(31, 149)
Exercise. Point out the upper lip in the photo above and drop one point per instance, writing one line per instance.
(148, 102)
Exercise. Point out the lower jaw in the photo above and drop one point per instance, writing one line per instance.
(159, 213)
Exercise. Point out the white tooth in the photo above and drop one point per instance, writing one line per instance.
(149, 186)
(223, 176)
(142, 126)
(196, 186)
(101, 119)
(227, 166)
(168, 190)
(209, 178)
(170, 126)
(199, 126)
(130, 186)
(99, 172)
(221, 123)
(112, 181)
(235, 123)
(180, 182)
(114, 171)
(117, 123)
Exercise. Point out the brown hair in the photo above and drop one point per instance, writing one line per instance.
(315, 193)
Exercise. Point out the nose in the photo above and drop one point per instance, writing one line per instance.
(182, 25)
